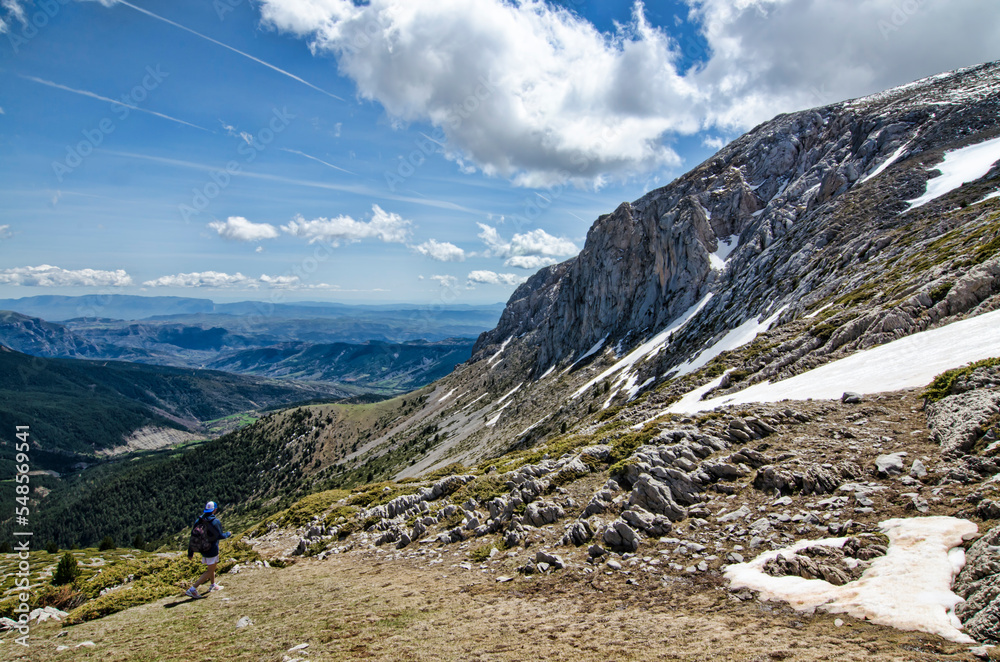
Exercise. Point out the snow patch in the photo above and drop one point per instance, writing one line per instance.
(995, 194)
(909, 588)
(547, 373)
(818, 311)
(888, 162)
(909, 362)
(446, 395)
(499, 351)
(741, 335)
(719, 257)
(493, 421)
(512, 392)
(958, 167)
(474, 401)
(651, 347)
(590, 352)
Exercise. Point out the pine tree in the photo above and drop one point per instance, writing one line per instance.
(66, 571)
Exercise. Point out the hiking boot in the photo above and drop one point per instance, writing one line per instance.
(215, 587)
(193, 593)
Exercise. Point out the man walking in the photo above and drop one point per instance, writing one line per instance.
(205, 537)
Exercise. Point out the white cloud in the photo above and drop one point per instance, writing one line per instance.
(391, 228)
(46, 275)
(442, 251)
(448, 282)
(238, 228)
(5, 232)
(530, 261)
(713, 142)
(14, 11)
(221, 280)
(493, 278)
(533, 92)
(1, 111)
(529, 250)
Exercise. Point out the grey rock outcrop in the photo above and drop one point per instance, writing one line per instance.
(979, 584)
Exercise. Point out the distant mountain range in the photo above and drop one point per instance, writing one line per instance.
(412, 317)
(77, 409)
(382, 349)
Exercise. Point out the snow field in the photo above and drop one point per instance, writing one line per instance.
(909, 362)
(909, 588)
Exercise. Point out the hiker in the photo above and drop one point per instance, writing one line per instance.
(205, 537)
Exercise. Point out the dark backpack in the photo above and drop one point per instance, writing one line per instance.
(203, 535)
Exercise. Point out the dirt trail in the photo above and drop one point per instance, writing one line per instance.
(357, 606)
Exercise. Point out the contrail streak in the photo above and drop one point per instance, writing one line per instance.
(219, 43)
(295, 151)
(85, 93)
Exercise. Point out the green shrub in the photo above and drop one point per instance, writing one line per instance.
(106, 544)
(943, 383)
(482, 553)
(939, 292)
(483, 489)
(66, 571)
(52, 547)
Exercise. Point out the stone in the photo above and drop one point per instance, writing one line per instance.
(621, 537)
(918, 470)
(614, 565)
(577, 533)
(553, 560)
(540, 513)
(740, 513)
(656, 497)
(243, 622)
(596, 551)
(889, 465)
(851, 398)
(647, 522)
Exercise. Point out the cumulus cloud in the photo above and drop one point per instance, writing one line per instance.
(535, 93)
(713, 142)
(46, 275)
(493, 278)
(238, 228)
(442, 251)
(387, 227)
(448, 282)
(5, 232)
(528, 250)
(530, 261)
(221, 280)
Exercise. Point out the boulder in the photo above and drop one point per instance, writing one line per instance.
(577, 533)
(540, 513)
(619, 536)
(979, 584)
(647, 522)
(656, 497)
(553, 560)
(889, 465)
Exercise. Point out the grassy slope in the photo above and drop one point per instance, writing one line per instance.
(77, 406)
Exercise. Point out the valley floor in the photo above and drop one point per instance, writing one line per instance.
(371, 606)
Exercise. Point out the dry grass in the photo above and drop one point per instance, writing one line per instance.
(366, 607)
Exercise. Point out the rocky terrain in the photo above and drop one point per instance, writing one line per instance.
(569, 471)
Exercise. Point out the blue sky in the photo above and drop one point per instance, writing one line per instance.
(420, 151)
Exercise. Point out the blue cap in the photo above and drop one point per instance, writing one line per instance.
(210, 507)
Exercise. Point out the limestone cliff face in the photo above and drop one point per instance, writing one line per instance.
(803, 200)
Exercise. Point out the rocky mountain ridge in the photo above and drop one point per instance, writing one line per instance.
(808, 197)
